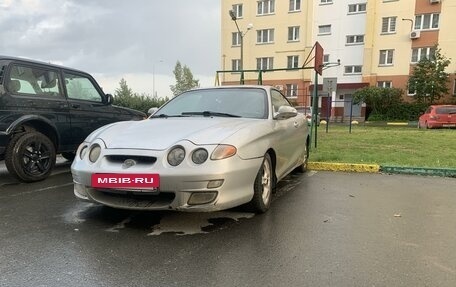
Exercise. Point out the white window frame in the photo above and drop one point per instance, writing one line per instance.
(386, 57)
(351, 40)
(422, 20)
(235, 39)
(354, 70)
(324, 30)
(326, 2)
(265, 36)
(265, 7)
(265, 63)
(421, 53)
(384, 84)
(292, 61)
(390, 23)
(292, 90)
(236, 64)
(295, 6)
(358, 8)
(325, 58)
(238, 10)
(293, 31)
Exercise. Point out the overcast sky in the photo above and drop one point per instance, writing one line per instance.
(114, 39)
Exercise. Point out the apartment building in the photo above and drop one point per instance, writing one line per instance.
(365, 42)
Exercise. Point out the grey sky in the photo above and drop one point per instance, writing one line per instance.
(117, 38)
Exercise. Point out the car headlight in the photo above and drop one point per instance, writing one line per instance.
(223, 151)
(176, 155)
(199, 156)
(83, 151)
(94, 153)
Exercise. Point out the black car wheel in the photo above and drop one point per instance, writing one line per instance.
(262, 188)
(30, 156)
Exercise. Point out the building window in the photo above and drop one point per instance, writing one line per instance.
(265, 7)
(326, 58)
(293, 33)
(419, 54)
(384, 84)
(236, 39)
(353, 70)
(389, 25)
(355, 39)
(292, 90)
(427, 21)
(324, 30)
(265, 63)
(292, 62)
(236, 65)
(357, 8)
(326, 1)
(386, 58)
(265, 36)
(295, 5)
(237, 9)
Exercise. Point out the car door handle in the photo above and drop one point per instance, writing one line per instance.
(75, 106)
(296, 124)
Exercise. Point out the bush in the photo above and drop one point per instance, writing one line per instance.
(139, 102)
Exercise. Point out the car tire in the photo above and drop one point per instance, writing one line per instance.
(30, 156)
(69, 156)
(262, 187)
(303, 167)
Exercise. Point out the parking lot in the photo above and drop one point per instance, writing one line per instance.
(323, 229)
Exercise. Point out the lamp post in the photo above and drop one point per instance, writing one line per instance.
(241, 35)
(153, 77)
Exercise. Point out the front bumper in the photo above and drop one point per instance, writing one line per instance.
(177, 184)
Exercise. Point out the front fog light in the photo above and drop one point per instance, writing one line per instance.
(202, 197)
(214, 183)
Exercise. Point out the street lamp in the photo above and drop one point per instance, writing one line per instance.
(153, 77)
(241, 35)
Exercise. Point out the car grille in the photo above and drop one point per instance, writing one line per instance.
(139, 159)
(128, 199)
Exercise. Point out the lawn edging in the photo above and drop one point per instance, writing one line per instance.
(373, 168)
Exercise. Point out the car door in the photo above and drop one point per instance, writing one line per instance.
(290, 136)
(35, 93)
(88, 106)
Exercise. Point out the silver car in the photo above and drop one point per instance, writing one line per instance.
(205, 150)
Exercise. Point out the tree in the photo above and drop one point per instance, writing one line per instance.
(184, 79)
(429, 79)
(124, 90)
(378, 100)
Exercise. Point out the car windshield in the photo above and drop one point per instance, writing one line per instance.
(218, 102)
(446, 110)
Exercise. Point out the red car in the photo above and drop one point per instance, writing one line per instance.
(438, 116)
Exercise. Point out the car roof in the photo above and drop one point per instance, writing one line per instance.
(28, 60)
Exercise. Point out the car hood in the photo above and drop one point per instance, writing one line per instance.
(160, 134)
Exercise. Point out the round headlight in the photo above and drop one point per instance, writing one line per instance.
(199, 156)
(176, 155)
(94, 153)
(83, 151)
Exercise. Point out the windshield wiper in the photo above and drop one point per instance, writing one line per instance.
(210, 114)
(167, 116)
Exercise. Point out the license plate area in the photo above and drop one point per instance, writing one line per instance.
(132, 182)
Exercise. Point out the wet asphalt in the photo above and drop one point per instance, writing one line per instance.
(323, 229)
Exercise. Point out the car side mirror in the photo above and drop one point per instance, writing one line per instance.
(109, 99)
(152, 111)
(285, 112)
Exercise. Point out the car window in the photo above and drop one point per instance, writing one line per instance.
(243, 102)
(81, 88)
(33, 81)
(2, 72)
(278, 100)
(445, 110)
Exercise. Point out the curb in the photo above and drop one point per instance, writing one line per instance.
(374, 168)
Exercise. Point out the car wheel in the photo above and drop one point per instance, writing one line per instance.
(30, 156)
(69, 156)
(262, 188)
(303, 167)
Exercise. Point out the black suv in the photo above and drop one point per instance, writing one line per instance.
(46, 110)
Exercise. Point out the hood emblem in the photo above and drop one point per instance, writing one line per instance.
(128, 163)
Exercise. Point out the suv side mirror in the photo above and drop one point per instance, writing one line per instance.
(109, 99)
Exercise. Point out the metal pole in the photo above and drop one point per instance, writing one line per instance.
(314, 111)
(351, 115)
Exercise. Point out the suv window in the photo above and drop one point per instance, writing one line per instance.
(2, 71)
(81, 88)
(33, 81)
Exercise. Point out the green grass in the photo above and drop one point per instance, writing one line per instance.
(390, 145)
